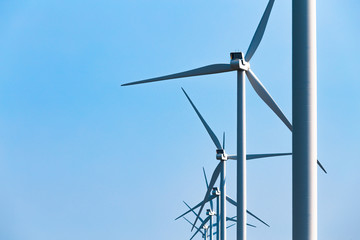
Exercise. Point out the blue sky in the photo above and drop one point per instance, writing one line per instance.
(83, 158)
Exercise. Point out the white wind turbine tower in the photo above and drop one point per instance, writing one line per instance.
(304, 105)
(304, 87)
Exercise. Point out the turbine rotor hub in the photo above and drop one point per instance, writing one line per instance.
(216, 191)
(221, 155)
(209, 212)
(238, 61)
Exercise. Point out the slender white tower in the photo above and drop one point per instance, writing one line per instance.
(241, 157)
(304, 120)
(223, 201)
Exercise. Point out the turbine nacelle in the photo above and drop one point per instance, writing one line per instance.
(210, 213)
(216, 191)
(221, 155)
(238, 61)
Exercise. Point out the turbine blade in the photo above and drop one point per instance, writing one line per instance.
(227, 219)
(205, 221)
(211, 185)
(233, 220)
(223, 140)
(207, 186)
(210, 69)
(233, 202)
(259, 33)
(206, 181)
(232, 157)
(214, 233)
(191, 225)
(230, 225)
(198, 229)
(208, 129)
(202, 220)
(256, 156)
(265, 96)
(250, 225)
(198, 205)
(257, 218)
(321, 166)
(230, 219)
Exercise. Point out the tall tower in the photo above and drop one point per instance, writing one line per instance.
(304, 87)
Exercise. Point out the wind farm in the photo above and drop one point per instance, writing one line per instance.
(83, 157)
(304, 171)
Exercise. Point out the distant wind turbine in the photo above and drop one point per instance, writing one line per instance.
(221, 169)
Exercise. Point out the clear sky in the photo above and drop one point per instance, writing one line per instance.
(83, 158)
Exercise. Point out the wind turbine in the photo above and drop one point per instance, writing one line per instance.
(215, 233)
(241, 65)
(216, 194)
(203, 225)
(210, 213)
(221, 169)
(204, 232)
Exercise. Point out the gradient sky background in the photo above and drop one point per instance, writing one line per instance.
(83, 158)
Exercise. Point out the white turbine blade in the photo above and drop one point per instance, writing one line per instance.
(265, 96)
(233, 202)
(233, 220)
(202, 220)
(207, 186)
(227, 219)
(191, 225)
(214, 233)
(259, 33)
(321, 166)
(231, 225)
(206, 181)
(208, 129)
(198, 230)
(250, 225)
(223, 140)
(211, 185)
(257, 218)
(210, 69)
(256, 156)
(232, 157)
(198, 205)
(205, 221)
(230, 219)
